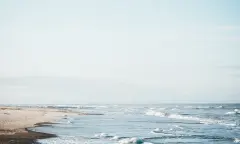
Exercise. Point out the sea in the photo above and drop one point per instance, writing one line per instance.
(147, 124)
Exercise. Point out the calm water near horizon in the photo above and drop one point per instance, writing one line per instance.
(148, 124)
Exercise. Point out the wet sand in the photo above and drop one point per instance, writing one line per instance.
(14, 123)
(26, 137)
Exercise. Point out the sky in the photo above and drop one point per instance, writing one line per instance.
(121, 51)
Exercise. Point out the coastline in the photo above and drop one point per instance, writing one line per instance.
(16, 121)
(26, 137)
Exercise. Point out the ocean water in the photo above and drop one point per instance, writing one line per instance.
(147, 124)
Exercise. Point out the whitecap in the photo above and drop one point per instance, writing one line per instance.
(236, 140)
(229, 124)
(131, 141)
(229, 113)
(174, 109)
(236, 111)
(177, 126)
(220, 107)
(156, 113)
(190, 118)
(101, 135)
(61, 140)
(157, 130)
(69, 121)
(204, 107)
(115, 138)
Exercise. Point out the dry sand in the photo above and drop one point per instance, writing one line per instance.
(15, 121)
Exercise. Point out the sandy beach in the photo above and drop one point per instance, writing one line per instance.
(14, 122)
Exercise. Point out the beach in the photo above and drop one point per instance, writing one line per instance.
(120, 124)
(15, 121)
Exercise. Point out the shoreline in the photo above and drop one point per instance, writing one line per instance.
(16, 121)
(26, 137)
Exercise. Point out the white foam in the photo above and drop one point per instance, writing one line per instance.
(107, 136)
(157, 130)
(204, 107)
(236, 111)
(115, 138)
(120, 140)
(236, 140)
(69, 122)
(191, 118)
(61, 140)
(131, 141)
(230, 113)
(220, 107)
(174, 109)
(155, 113)
(177, 116)
(177, 126)
(101, 135)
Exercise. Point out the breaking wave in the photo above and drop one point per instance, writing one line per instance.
(205, 107)
(236, 111)
(121, 140)
(236, 140)
(189, 118)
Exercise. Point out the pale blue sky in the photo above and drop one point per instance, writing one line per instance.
(138, 50)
